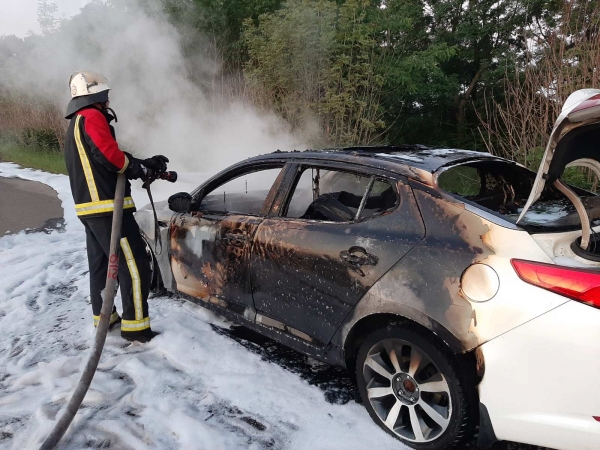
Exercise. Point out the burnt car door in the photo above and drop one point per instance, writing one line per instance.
(210, 246)
(336, 231)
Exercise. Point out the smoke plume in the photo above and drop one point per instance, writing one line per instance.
(160, 110)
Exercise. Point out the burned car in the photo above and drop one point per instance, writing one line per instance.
(461, 288)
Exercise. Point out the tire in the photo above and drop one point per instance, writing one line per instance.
(422, 395)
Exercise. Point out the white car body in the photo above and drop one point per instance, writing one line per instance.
(541, 384)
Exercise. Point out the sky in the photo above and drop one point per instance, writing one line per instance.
(19, 17)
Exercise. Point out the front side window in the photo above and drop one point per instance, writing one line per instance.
(245, 194)
(336, 196)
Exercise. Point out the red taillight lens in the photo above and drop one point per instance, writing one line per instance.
(579, 284)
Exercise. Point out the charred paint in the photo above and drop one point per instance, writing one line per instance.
(301, 272)
(292, 271)
(426, 282)
(210, 256)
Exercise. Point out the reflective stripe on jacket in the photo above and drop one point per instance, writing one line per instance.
(94, 161)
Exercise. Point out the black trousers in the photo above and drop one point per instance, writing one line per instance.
(133, 274)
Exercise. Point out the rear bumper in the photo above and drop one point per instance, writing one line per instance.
(542, 380)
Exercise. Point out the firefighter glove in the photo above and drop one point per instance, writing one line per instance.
(157, 163)
(136, 168)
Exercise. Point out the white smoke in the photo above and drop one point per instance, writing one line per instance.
(160, 111)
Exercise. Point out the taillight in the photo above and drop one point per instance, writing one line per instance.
(579, 284)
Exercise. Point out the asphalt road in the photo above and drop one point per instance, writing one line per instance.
(26, 205)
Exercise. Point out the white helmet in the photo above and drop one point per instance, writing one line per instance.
(87, 88)
(86, 83)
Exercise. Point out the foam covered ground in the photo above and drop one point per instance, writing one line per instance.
(192, 387)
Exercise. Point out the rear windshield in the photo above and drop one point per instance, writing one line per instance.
(503, 188)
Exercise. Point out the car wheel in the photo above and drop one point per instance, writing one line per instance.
(414, 388)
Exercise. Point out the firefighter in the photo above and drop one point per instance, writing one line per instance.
(94, 161)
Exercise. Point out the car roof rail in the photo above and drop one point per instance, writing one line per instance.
(385, 148)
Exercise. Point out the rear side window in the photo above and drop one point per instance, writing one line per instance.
(504, 188)
(461, 180)
(337, 196)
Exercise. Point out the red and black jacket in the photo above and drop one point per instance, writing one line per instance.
(93, 162)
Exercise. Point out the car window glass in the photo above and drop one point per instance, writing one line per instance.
(327, 195)
(461, 180)
(244, 194)
(504, 187)
(381, 198)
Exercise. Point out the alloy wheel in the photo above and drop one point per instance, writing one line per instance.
(407, 390)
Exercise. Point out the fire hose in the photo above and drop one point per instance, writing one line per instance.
(108, 300)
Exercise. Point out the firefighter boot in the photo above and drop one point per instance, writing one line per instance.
(140, 336)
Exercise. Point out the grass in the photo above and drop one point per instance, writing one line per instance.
(53, 162)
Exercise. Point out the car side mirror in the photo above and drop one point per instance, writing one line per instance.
(180, 202)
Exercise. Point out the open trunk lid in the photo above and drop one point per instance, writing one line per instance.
(574, 141)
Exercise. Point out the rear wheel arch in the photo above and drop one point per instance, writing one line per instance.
(361, 329)
(471, 360)
(358, 330)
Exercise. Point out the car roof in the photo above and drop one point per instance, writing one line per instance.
(414, 161)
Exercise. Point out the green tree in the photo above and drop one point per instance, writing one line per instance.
(46, 13)
(447, 53)
(220, 22)
(351, 106)
(316, 59)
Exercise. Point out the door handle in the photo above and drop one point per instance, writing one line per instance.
(355, 257)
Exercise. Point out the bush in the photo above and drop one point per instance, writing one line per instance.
(40, 140)
(582, 178)
(31, 123)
